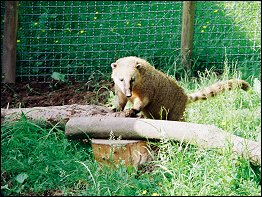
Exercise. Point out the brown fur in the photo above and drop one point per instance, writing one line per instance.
(154, 93)
(216, 88)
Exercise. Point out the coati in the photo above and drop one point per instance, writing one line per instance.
(154, 93)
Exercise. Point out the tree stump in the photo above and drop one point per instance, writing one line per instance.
(115, 152)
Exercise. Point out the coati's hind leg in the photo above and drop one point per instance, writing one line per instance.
(175, 116)
(178, 111)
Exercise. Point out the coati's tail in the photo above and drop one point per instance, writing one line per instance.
(217, 88)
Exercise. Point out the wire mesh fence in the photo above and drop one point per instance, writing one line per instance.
(228, 31)
(82, 38)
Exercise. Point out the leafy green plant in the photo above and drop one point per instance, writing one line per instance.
(58, 76)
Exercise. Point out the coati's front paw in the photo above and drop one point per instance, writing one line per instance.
(131, 113)
(119, 114)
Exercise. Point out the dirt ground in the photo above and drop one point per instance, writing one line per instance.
(35, 94)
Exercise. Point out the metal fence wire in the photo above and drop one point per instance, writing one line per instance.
(82, 38)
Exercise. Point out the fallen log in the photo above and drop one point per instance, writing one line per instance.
(97, 121)
(55, 114)
(205, 136)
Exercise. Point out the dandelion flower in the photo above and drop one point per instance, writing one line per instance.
(204, 27)
(127, 23)
(36, 23)
(56, 41)
(95, 18)
(97, 12)
(144, 192)
(18, 41)
(82, 31)
(155, 194)
(139, 24)
(215, 11)
(223, 123)
(202, 31)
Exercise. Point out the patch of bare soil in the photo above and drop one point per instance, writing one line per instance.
(35, 94)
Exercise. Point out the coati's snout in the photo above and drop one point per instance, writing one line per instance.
(129, 94)
(126, 86)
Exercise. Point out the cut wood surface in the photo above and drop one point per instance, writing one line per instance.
(127, 152)
(206, 136)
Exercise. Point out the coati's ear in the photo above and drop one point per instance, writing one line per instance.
(113, 65)
(138, 65)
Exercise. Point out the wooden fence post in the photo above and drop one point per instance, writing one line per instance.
(187, 33)
(9, 41)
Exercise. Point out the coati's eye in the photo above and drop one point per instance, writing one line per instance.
(121, 79)
(132, 79)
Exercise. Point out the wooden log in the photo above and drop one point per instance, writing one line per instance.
(205, 136)
(9, 41)
(55, 114)
(114, 152)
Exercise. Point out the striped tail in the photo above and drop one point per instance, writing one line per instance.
(218, 87)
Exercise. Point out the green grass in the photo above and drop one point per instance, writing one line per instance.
(36, 158)
(235, 105)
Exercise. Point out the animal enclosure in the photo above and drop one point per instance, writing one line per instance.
(80, 39)
(62, 96)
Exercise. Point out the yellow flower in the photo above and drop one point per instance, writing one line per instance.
(95, 18)
(18, 41)
(97, 12)
(207, 22)
(139, 24)
(202, 31)
(82, 31)
(223, 123)
(127, 23)
(56, 41)
(144, 192)
(155, 194)
(215, 11)
(204, 27)
(35, 23)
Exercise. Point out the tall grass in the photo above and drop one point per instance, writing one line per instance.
(39, 159)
